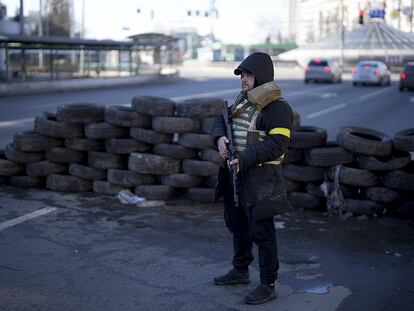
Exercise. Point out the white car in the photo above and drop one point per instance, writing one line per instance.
(371, 72)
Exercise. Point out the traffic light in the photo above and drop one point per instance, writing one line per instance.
(361, 17)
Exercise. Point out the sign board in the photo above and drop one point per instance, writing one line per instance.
(376, 13)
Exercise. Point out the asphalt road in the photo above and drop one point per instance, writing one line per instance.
(86, 252)
(329, 106)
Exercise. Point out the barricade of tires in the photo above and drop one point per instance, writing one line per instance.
(160, 149)
(364, 172)
(157, 148)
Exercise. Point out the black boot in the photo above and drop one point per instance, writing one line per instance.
(261, 294)
(232, 277)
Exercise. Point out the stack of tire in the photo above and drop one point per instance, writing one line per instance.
(375, 172)
(183, 155)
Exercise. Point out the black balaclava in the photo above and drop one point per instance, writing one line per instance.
(258, 64)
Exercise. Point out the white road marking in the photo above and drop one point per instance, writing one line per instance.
(18, 220)
(324, 111)
(15, 122)
(329, 95)
(411, 99)
(373, 94)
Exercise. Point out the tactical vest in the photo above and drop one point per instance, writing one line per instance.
(244, 116)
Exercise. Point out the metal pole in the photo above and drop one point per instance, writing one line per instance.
(341, 57)
(40, 32)
(399, 14)
(411, 16)
(22, 53)
(82, 51)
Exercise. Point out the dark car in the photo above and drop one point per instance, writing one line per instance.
(407, 77)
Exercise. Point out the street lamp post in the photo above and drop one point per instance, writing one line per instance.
(342, 30)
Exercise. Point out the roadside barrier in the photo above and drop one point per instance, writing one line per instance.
(162, 149)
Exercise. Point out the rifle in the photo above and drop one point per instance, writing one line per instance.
(231, 153)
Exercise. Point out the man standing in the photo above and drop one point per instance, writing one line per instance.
(261, 122)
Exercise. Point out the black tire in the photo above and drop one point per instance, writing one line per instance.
(401, 89)
(125, 146)
(200, 168)
(104, 187)
(46, 124)
(26, 181)
(104, 160)
(329, 155)
(204, 195)
(354, 83)
(174, 151)
(129, 179)
(347, 191)
(211, 181)
(80, 113)
(207, 125)
(32, 141)
(104, 130)
(303, 173)
(199, 107)
(171, 125)
(399, 180)
(181, 180)
(155, 192)
(308, 137)
(364, 141)
(86, 172)
(8, 168)
(150, 136)
(304, 200)
(65, 155)
(211, 155)
(291, 185)
(404, 140)
(18, 156)
(44, 168)
(306, 81)
(354, 176)
(153, 105)
(362, 207)
(292, 156)
(395, 161)
(196, 141)
(381, 194)
(153, 164)
(66, 183)
(126, 117)
(84, 144)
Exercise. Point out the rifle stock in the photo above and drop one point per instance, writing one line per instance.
(231, 152)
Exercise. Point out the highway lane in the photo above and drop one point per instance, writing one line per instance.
(326, 105)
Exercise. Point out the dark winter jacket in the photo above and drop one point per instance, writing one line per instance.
(262, 187)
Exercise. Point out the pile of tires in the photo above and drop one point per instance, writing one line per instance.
(372, 171)
(157, 148)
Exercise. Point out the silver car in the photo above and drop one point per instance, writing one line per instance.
(371, 72)
(326, 70)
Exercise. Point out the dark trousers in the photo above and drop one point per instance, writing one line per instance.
(246, 232)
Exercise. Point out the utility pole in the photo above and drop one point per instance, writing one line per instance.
(399, 14)
(411, 16)
(82, 51)
(342, 30)
(40, 33)
(22, 51)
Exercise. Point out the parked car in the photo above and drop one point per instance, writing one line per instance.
(371, 72)
(326, 70)
(407, 77)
